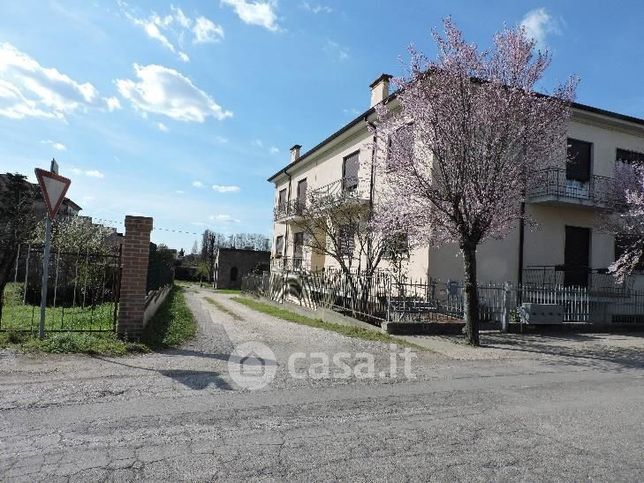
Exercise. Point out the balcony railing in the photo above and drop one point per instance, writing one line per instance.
(552, 185)
(291, 264)
(288, 209)
(344, 189)
(339, 191)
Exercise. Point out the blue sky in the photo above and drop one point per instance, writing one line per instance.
(180, 110)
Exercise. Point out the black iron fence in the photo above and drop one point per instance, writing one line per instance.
(82, 295)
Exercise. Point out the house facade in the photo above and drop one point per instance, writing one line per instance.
(564, 245)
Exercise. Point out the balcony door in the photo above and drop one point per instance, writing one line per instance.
(578, 169)
(298, 249)
(577, 256)
(350, 166)
(301, 193)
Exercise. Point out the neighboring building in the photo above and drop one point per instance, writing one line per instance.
(67, 207)
(565, 245)
(231, 264)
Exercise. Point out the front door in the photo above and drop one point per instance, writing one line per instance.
(577, 256)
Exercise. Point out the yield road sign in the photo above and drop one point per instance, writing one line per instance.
(54, 187)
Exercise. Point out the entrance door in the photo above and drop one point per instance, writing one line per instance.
(577, 256)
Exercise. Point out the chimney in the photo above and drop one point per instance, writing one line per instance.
(380, 89)
(295, 153)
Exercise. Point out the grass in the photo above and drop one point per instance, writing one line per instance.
(24, 317)
(230, 291)
(346, 330)
(173, 323)
(223, 308)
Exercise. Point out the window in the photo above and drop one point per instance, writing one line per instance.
(578, 166)
(629, 157)
(346, 239)
(298, 244)
(350, 167)
(279, 246)
(281, 200)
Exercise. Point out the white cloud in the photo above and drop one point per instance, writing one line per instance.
(258, 143)
(162, 90)
(220, 188)
(316, 8)
(274, 150)
(162, 127)
(206, 31)
(221, 140)
(28, 89)
(112, 103)
(179, 192)
(538, 23)
(55, 145)
(223, 218)
(197, 184)
(180, 17)
(336, 50)
(92, 173)
(261, 13)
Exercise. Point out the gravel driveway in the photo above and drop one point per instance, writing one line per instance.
(180, 415)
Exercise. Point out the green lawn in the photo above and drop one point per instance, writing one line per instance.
(20, 317)
(172, 325)
(349, 331)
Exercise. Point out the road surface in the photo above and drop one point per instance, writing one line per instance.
(572, 410)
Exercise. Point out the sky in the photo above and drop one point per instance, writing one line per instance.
(181, 110)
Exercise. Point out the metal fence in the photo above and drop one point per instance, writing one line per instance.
(383, 298)
(83, 291)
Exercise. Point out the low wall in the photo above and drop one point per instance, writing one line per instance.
(153, 301)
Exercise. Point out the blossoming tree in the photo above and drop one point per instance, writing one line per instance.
(626, 221)
(465, 134)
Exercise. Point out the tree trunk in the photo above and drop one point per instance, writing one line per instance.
(471, 296)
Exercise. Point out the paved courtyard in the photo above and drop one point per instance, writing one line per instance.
(527, 408)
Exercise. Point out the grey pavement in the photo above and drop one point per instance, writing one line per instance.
(524, 408)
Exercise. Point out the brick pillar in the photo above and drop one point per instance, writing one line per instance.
(134, 264)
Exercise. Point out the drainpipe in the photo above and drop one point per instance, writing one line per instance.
(373, 162)
(288, 200)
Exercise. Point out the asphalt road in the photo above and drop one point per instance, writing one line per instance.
(533, 415)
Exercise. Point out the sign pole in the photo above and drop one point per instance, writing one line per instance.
(53, 188)
(45, 276)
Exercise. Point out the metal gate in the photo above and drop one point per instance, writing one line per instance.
(83, 291)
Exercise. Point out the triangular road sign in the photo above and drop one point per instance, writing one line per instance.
(54, 187)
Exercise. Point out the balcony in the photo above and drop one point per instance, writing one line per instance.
(288, 210)
(347, 189)
(289, 264)
(340, 191)
(553, 187)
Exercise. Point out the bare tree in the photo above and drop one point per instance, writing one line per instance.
(469, 132)
(17, 222)
(340, 226)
